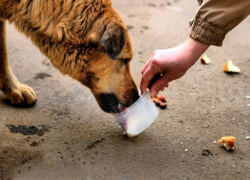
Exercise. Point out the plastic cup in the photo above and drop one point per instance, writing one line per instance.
(139, 116)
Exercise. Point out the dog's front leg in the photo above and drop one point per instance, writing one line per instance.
(15, 91)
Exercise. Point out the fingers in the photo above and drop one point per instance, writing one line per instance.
(159, 85)
(155, 83)
(144, 82)
(145, 66)
(151, 73)
(147, 76)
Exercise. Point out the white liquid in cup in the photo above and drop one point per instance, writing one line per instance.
(139, 116)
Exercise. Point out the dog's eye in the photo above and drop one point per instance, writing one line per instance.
(126, 61)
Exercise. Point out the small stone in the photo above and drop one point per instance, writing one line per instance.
(248, 138)
(33, 144)
(212, 107)
(248, 97)
(214, 142)
(206, 152)
(186, 150)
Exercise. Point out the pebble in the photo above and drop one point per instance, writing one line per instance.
(214, 142)
(186, 150)
(248, 97)
(248, 138)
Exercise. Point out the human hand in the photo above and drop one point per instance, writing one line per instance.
(167, 65)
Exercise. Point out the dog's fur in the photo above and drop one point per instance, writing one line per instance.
(85, 39)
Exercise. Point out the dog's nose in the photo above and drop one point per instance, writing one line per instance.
(108, 102)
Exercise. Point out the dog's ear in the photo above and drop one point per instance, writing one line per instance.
(113, 40)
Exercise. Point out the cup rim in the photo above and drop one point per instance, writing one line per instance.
(130, 107)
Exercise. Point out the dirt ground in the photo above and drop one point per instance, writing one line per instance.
(67, 136)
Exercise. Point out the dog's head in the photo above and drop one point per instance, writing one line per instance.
(104, 64)
(85, 39)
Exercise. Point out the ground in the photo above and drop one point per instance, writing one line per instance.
(66, 135)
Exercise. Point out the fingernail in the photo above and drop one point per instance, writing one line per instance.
(153, 94)
(140, 91)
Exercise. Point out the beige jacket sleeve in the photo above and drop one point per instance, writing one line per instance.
(215, 18)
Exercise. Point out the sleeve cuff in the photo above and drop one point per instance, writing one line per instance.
(206, 33)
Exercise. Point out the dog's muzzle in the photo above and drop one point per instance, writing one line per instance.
(109, 103)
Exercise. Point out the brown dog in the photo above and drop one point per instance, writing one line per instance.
(85, 39)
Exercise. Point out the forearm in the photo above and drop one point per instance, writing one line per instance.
(193, 50)
(214, 19)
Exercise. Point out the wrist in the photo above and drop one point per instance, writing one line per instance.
(194, 49)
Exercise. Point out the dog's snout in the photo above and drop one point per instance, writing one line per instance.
(108, 102)
(130, 96)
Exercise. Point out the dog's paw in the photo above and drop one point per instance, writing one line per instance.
(22, 95)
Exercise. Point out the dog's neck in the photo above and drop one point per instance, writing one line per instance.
(58, 19)
(59, 28)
